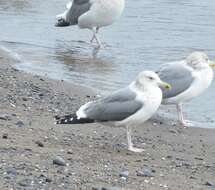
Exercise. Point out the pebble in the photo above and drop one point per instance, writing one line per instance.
(48, 180)
(59, 161)
(173, 131)
(25, 99)
(124, 174)
(11, 171)
(20, 124)
(24, 183)
(106, 188)
(4, 117)
(110, 188)
(146, 172)
(5, 136)
(39, 143)
(209, 184)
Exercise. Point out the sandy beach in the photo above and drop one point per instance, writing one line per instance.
(37, 154)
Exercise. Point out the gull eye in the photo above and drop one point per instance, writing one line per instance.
(151, 78)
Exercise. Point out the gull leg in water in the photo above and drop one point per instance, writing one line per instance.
(95, 31)
(93, 37)
(130, 143)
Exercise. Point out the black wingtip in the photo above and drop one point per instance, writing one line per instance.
(61, 23)
(72, 119)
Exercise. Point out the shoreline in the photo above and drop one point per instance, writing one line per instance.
(95, 155)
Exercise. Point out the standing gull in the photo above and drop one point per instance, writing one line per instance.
(91, 14)
(128, 107)
(189, 78)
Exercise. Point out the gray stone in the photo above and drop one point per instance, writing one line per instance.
(59, 161)
(146, 172)
(124, 174)
(39, 143)
(209, 184)
(11, 171)
(20, 124)
(5, 136)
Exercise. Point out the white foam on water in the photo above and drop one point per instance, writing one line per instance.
(11, 54)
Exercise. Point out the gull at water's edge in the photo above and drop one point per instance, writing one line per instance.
(91, 14)
(130, 106)
(189, 78)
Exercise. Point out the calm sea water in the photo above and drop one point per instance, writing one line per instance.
(148, 34)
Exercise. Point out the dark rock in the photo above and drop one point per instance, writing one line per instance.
(48, 180)
(4, 117)
(169, 157)
(124, 174)
(5, 136)
(209, 184)
(146, 172)
(41, 95)
(11, 171)
(59, 161)
(106, 188)
(96, 188)
(70, 152)
(25, 99)
(198, 158)
(172, 131)
(20, 124)
(39, 143)
(110, 188)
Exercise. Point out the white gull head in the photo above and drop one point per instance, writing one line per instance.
(150, 79)
(198, 60)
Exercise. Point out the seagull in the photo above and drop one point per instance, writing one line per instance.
(91, 14)
(189, 78)
(130, 106)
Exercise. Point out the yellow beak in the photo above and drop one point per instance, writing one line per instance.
(212, 64)
(165, 85)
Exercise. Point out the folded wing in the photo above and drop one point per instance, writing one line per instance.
(178, 75)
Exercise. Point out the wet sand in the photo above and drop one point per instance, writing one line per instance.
(94, 155)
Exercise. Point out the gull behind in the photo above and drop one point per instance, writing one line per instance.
(91, 14)
(189, 78)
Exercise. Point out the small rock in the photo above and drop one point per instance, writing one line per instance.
(25, 99)
(24, 183)
(198, 158)
(59, 161)
(146, 172)
(5, 136)
(173, 131)
(20, 124)
(209, 184)
(11, 171)
(39, 143)
(110, 188)
(4, 117)
(169, 157)
(48, 180)
(124, 174)
(69, 152)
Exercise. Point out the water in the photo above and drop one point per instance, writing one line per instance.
(148, 34)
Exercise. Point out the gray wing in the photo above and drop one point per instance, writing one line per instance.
(78, 8)
(178, 76)
(115, 107)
